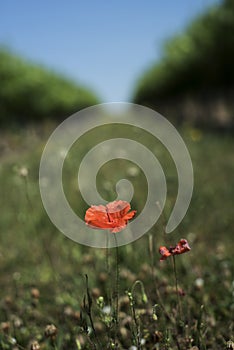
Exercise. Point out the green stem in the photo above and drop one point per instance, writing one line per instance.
(151, 253)
(109, 298)
(176, 285)
(89, 312)
(116, 286)
(137, 332)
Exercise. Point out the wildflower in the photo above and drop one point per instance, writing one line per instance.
(164, 252)
(199, 283)
(23, 171)
(114, 216)
(181, 247)
(12, 340)
(100, 302)
(133, 171)
(106, 310)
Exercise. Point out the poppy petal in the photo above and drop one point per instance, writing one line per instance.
(96, 213)
(118, 228)
(164, 252)
(113, 216)
(181, 247)
(117, 209)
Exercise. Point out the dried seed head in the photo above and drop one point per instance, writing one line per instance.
(95, 292)
(124, 332)
(99, 327)
(17, 322)
(87, 259)
(103, 277)
(5, 326)
(76, 315)
(124, 303)
(230, 345)
(68, 311)
(35, 293)
(158, 336)
(50, 331)
(8, 301)
(35, 345)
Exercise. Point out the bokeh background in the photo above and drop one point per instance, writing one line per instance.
(122, 52)
(57, 58)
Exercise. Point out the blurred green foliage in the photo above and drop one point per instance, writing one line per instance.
(33, 253)
(198, 60)
(31, 93)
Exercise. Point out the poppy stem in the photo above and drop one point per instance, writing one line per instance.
(116, 286)
(108, 269)
(176, 286)
(88, 308)
(151, 254)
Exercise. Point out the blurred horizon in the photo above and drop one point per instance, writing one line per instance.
(102, 46)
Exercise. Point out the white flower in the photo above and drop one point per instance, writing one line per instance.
(23, 171)
(199, 282)
(106, 310)
(133, 171)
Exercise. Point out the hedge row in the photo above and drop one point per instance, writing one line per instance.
(196, 62)
(30, 92)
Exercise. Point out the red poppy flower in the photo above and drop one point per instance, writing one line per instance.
(114, 216)
(181, 247)
(164, 252)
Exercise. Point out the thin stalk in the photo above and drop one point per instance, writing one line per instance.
(139, 347)
(176, 285)
(9, 338)
(88, 309)
(131, 296)
(108, 270)
(151, 253)
(107, 253)
(116, 286)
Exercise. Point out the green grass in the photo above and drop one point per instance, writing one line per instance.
(34, 254)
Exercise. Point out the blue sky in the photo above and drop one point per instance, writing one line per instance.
(105, 45)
